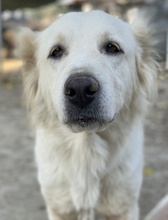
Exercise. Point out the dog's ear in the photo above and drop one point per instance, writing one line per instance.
(26, 51)
(147, 67)
(27, 47)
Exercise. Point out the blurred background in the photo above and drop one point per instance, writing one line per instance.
(20, 197)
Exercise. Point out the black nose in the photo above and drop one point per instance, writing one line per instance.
(81, 90)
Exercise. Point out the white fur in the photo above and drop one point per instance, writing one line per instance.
(89, 173)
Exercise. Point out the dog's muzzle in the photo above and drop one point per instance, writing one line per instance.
(83, 109)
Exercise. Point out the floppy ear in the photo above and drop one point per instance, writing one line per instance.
(147, 66)
(27, 47)
(26, 51)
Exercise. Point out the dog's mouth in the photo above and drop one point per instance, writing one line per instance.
(87, 122)
(84, 121)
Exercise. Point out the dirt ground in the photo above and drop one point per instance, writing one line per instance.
(20, 197)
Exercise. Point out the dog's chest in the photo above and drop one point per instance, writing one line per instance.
(85, 168)
(75, 165)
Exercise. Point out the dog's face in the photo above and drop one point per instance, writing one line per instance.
(86, 68)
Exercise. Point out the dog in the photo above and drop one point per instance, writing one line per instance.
(88, 79)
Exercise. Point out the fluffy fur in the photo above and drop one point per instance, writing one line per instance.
(92, 170)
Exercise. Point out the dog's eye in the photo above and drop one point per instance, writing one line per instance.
(112, 48)
(56, 52)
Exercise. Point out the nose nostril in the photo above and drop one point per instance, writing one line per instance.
(70, 92)
(90, 91)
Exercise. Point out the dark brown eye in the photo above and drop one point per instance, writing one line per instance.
(56, 52)
(112, 48)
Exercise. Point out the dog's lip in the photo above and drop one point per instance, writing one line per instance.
(111, 120)
(87, 120)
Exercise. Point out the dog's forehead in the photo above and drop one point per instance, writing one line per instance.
(89, 23)
(93, 18)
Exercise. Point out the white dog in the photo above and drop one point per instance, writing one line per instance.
(88, 79)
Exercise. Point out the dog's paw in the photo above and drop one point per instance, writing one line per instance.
(86, 215)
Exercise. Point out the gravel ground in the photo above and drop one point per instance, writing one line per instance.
(20, 197)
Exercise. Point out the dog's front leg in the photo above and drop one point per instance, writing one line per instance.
(55, 215)
(86, 215)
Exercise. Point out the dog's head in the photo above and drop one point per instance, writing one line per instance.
(85, 68)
